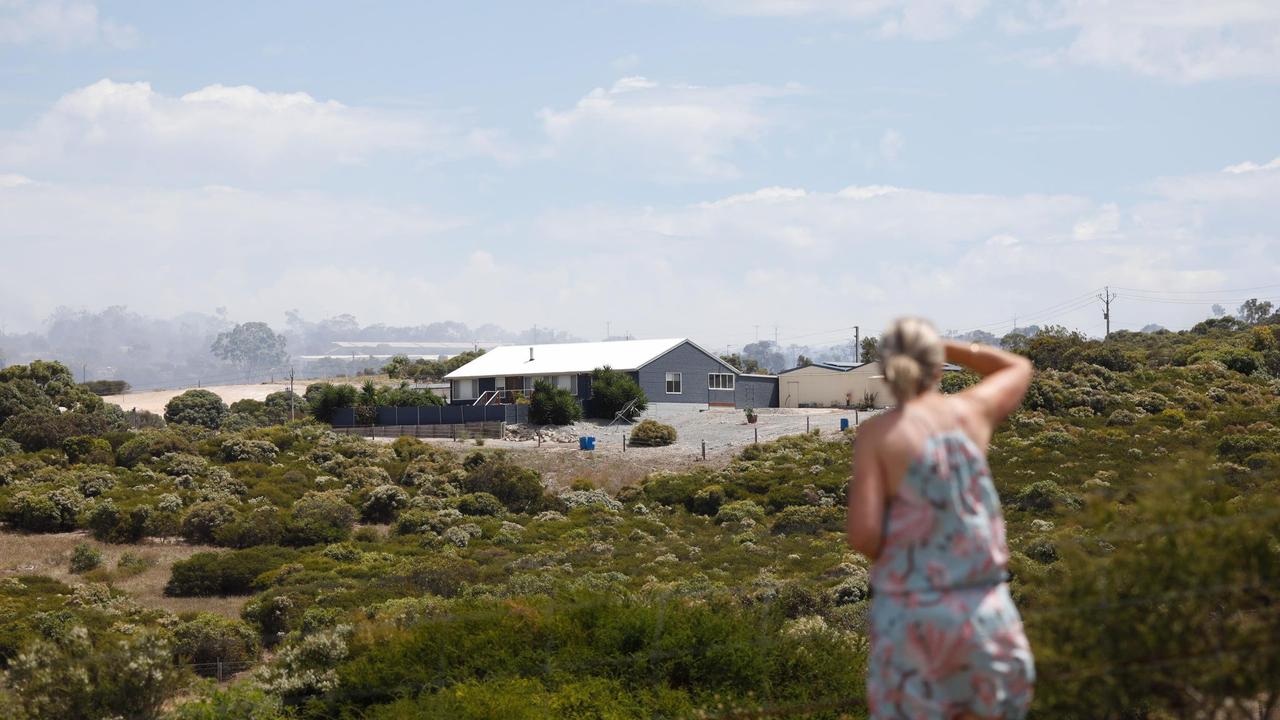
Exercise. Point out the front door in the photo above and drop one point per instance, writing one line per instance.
(792, 398)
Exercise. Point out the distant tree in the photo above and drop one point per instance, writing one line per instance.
(978, 336)
(1218, 311)
(106, 387)
(767, 354)
(746, 365)
(869, 350)
(1014, 341)
(397, 367)
(252, 347)
(196, 407)
(1152, 328)
(1254, 312)
(611, 391)
(552, 405)
(803, 361)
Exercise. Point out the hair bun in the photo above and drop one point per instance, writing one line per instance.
(911, 354)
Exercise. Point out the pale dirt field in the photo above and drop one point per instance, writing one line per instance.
(155, 400)
(50, 554)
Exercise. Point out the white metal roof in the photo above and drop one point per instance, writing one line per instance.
(563, 358)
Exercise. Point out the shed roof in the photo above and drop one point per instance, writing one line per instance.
(562, 358)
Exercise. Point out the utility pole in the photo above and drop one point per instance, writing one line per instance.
(857, 344)
(1106, 297)
(775, 334)
(757, 333)
(535, 334)
(84, 369)
(290, 392)
(607, 333)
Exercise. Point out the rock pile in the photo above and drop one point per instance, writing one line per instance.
(548, 433)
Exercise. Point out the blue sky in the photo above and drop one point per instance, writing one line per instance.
(676, 168)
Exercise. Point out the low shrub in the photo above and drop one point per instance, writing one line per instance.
(320, 518)
(1044, 496)
(481, 503)
(85, 557)
(207, 639)
(383, 503)
(651, 433)
(202, 521)
(807, 519)
(738, 511)
(227, 573)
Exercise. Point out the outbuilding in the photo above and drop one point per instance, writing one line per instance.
(673, 370)
(837, 384)
(833, 384)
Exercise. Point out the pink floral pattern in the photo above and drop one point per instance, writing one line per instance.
(945, 635)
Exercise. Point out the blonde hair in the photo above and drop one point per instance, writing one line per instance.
(911, 354)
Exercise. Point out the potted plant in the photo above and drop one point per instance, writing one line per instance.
(751, 415)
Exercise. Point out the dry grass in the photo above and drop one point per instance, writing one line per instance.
(562, 465)
(50, 554)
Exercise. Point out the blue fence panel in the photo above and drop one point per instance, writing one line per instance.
(436, 415)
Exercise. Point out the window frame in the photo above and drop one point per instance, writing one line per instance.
(733, 382)
(679, 383)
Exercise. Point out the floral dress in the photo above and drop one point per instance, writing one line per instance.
(945, 636)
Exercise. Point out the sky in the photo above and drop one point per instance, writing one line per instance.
(725, 170)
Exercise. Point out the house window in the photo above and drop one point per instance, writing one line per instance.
(673, 383)
(720, 381)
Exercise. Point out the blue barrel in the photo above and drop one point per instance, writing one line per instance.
(844, 423)
(591, 442)
(582, 442)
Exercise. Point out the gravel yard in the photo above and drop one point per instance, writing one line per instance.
(725, 431)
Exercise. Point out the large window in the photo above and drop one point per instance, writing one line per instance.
(673, 383)
(720, 381)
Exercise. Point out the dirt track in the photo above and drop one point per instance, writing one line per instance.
(155, 400)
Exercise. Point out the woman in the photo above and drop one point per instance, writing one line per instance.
(946, 639)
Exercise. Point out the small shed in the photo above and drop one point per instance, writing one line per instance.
(833, 384)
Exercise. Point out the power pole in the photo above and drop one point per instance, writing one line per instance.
(84, 369)
(1106, 297)
(607, 333)
(775, 334)
(857, 344)
(757, 333)
(290, 392)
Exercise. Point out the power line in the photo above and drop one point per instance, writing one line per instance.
(1199, 292)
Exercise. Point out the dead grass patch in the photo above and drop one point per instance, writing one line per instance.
(50, 554)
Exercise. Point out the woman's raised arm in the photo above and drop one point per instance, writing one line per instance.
(1005, 377)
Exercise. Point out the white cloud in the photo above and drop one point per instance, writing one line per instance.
(807, 259)
(1180, 40)
(918, 19)
(670, 132)
(220, 133)
(61, 23)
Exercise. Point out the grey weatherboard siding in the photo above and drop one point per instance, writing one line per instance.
(757, 392)
(695, 366)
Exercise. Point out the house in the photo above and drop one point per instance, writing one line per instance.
(674, 370)
(837, 384)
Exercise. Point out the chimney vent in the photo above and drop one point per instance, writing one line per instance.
(530, 353)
